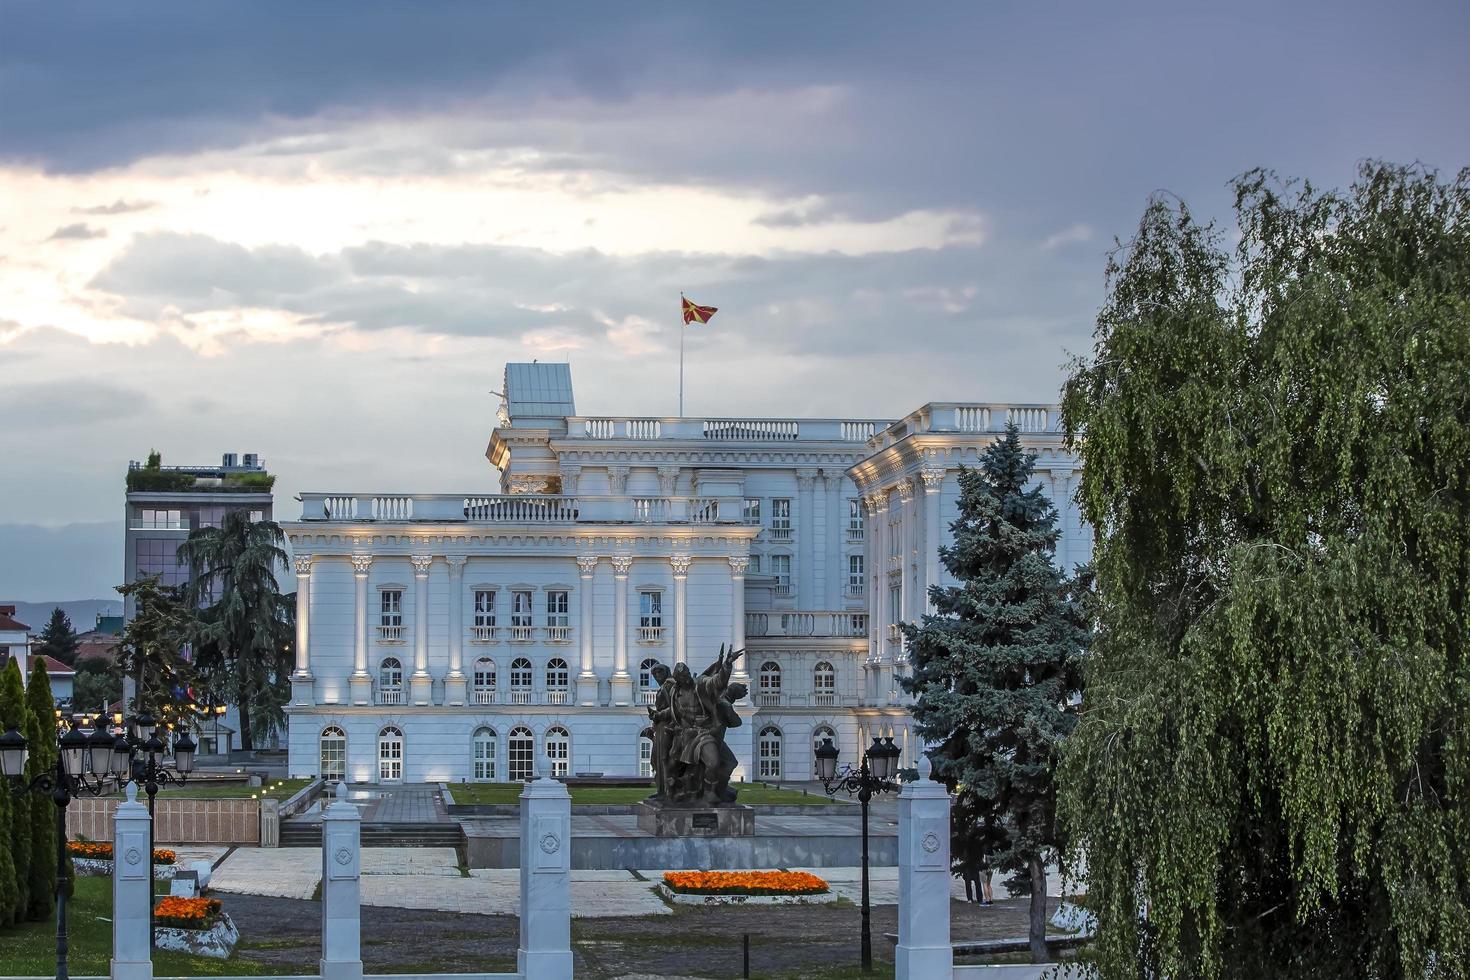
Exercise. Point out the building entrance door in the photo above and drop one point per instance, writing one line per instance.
(390, 756)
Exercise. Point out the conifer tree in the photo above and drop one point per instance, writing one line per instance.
(58, 639)
(14, 711)
(42, 739)
(9, 804)
(996, 669)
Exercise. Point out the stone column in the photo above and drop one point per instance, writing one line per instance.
(341, 890)
(738, 565)
(806, 481)
(301, 679)
(421, 684)
(587, 679)
(132, 891)
(905, 549)
(923, 880)
(454, 681)
(835, 588)
(545, 950)
(680, 564)
(933, 486)
(361, 682)
(622, 684)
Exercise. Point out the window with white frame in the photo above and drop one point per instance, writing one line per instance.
(559, 750)
(390, 755)
(483, 748)
(820, 734)
(824, 684)
(521, 673)
(768, 689)
(856, 582)
(781, 571)
(558, 680)
(485, 608)
(520, 754)
(482, 690)
(390, 608)
(770, 752)
(755, 564)
(333, 754)
(556, 609)
(651, 609)
(390, 676)
(781, 518)
(751, 512)
(854, 519)
(645, 753)
(647, 683)
(895, 605)
(520, 610)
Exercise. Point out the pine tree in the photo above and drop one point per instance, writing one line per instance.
(14, 711)
(9, 804)
(996, 670)
(58, 639)
(43, 809)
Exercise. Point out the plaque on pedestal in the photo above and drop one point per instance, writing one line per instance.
(685, 820)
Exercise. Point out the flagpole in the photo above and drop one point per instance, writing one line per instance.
(683, 326)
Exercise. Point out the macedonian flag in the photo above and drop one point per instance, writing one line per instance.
(696, 314)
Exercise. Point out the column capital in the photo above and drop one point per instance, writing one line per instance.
(456, 563)
(833, 477)
(570, 476)
(933, 478)
(876, 503)
(587, 564)
(806, 478)
(617, 480)
(421, 563)
(361, 564)
(906, 489)
(621, 565)
(738, 564)
(303, 565)
(668, 479)
(680, 564)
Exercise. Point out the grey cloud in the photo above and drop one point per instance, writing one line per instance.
(64, 403)
(119, 206)
(77, 233)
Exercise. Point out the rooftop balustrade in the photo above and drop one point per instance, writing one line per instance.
(969, 417)
(723, 429)
(517, 509)
(798, 624)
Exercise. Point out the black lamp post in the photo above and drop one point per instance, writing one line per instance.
(873, 775)
(83, 765)
(143, 753)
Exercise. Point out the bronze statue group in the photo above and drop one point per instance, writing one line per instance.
(691, 762)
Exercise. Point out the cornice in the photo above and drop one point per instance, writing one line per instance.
(325, 539)
(645, 455)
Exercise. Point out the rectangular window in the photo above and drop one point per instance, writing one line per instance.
(160, 556)
(755, 564)
(751, 513)
(256, 516)
(855, 579)
(484, 608)
(167, 520)
(895, 605)
(854, 519)
(781, 518)
(781, 569)
(391, 608)
(556, 609)
(520, 609)
(651, 609)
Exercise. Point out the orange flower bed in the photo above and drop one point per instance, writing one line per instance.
(101, 851)
(744, 883)
(186, 913)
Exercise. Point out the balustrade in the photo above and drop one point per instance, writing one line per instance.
(482, 634)
(751, 430)
(391, 695)
(482, 695)
(522, 634)
(824, 700)
(391, 634)
(521, 509)
(650, 634)
(558, 634)
(520, 696)
(558, 696)
(798, 624)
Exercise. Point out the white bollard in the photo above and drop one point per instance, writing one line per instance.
(924, 952)
(132, 891)
(545, 951)
(341, 890)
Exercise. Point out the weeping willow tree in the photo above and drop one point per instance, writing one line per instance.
(1272, 774)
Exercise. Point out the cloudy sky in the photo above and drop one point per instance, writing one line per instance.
(317, 232)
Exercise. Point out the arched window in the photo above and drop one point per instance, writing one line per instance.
(482, 690)
(520, 681)
(768, 691)
(645, 753)
(557, 681)
(559, 750)
(646, 683)
(390, 682)
(390, 755)
(820, 734)
(770, 752)
(484, 755)
(824, 684)
(333, 754)
(520, 754)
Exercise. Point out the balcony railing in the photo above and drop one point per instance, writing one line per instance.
(391, 695)
(824, 700)
(970, 417)
(522, 634)
(780, 534)
(782, 589)
(797, 624)
(558, 634)
(650, 634)
(518, 509)
(855, 535)
(768, 700)
(723, 429)
(648, 697)
(558, 696)
(482, 695)
(482, 634)
(520, 696)
(855, 590)
(391, 634)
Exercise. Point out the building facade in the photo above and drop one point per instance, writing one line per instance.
(461, 636)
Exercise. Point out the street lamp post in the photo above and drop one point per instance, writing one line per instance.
(77, 771)
(873, 775)
(142, 754)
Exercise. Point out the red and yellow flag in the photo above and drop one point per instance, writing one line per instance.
(696, 314)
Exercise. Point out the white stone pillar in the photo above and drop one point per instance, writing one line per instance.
(806, 481)
(738, 565)
(835, 588)
(454, 681)
(905, 536)
(301, 679)
(361, 682)
(545, 950)
(933, 486)
(587, 679)
(680, 564)
(622, 684)
(341, 890)
(132, 891)
(923, 880)
(421, 685)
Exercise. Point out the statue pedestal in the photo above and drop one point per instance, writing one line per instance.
(686, 820)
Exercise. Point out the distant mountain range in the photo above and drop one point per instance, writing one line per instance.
(39, 564)
(82, 612)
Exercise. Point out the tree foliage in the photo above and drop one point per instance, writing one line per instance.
(1272, 774)
(41, 708)
(244, 627)
(14, 711)
(151, 645)
(58, 639)
(996, 670)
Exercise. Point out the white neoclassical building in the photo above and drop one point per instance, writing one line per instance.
(459, 636)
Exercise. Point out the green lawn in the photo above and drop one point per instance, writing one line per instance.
(510, 793)
(29, 949)
(282, 789)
